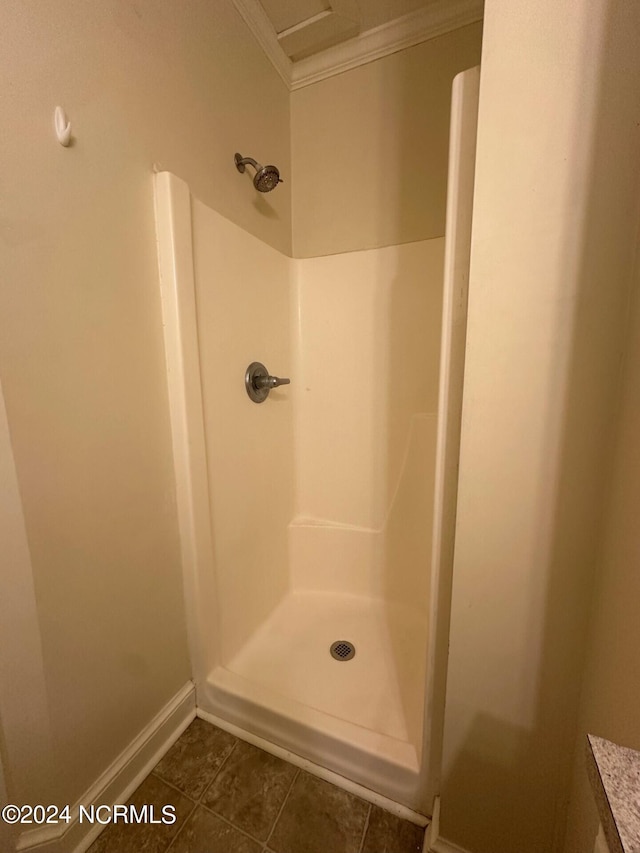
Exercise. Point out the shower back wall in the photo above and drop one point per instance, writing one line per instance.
(367, 345)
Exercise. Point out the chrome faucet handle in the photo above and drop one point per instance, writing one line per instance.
(270, 381)
(258, 382)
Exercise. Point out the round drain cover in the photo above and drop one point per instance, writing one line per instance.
(342, 650)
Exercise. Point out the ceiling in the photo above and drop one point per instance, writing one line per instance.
(308, 40)
(305, 27)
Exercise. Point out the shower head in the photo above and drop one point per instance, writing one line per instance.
(265, 179)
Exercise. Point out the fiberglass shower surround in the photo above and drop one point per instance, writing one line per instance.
(306, 521)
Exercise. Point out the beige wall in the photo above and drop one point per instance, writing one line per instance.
(609, 703)
(25, 735)
(553, 232)
(370, 148)
(81, 350)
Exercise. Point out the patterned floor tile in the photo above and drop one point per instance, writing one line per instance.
(148, 837)
(207, 833)
(195, 758)
(319, 818)
(387, 833)
(250, 789)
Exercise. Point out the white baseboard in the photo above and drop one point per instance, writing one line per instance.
(432, 841)
(119, 780)
(443, 846)
(433, 830)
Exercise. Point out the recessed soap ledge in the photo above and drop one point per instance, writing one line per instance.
(614, 772)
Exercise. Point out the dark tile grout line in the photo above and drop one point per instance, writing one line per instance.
(197, 802)
(182, 794)
(224, 820)
(365, 828)
(284, 802)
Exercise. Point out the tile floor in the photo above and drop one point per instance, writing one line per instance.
(231, 797)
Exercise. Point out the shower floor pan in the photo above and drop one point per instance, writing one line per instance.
(361, 718)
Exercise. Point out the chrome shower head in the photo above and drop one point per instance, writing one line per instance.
(265, 179)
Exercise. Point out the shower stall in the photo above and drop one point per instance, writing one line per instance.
(317, 522)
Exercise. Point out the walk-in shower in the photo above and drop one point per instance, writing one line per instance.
(317, 527)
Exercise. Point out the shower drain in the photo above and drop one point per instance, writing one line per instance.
(342, 650)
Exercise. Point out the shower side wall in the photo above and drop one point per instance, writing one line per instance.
(462, 155)
(243, 314)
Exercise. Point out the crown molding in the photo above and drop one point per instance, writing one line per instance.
(256, 19)
(436, 19)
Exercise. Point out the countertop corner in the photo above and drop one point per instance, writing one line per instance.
(614, 772)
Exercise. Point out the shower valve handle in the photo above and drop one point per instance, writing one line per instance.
(258, 382)
(270, 381)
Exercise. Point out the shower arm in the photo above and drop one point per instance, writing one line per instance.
(242, 162)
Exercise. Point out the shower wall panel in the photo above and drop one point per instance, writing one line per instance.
(243, 306)
(367, 342)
